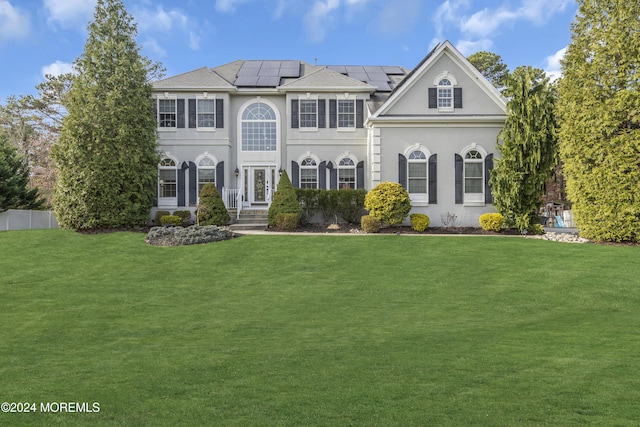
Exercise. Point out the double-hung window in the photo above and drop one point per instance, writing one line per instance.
(346, 113)
(417, 172)
(167, 113)
(308, 173)
(346, 174)
(206, 173)
(473, 177)
(445, 94)
(206, 113)
(309, 113)
(167, 182)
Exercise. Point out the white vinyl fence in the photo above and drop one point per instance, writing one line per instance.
(15, 219)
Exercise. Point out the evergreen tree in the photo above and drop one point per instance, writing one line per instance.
(528, 147)
(14, 180)
(284, 200)
(211, 210)
(107, 152)
(491, 67)
(600, 120)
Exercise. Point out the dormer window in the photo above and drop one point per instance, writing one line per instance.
(445, 96)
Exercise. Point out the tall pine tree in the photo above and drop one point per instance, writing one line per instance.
(599, 116)
(528, 147)
(14, 180)
(107, 153)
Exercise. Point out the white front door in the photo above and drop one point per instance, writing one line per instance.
(258, 185)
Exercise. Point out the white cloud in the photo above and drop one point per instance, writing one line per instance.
(194, 41)
(228, 6)
(447, 14)
(70, 13)
(160, 19)
(57, 68)
(553, 67)
(14, 22)
(487, 21)
(153, 45)
(318, 17)
(468, 47)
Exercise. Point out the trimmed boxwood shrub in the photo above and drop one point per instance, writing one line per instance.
(351, 204)
(370, 224)
(284, 201)
(491, 221)
(287, 221)
(211, 210)
(419, 222)
(389, 202)
(173, 220)
(308, 200)
(159, 215)
(185, 215)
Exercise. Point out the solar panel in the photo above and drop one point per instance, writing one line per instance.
(246, 80)
(268, 81)
(338, 68)
(393, 70)
(383, 86)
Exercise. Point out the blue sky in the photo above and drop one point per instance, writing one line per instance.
(46, 36)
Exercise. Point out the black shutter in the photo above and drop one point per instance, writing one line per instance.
(295, 174)
(220, 176)
(219, 113)
(402, 171)
(333, 113)
(155, 110)
(459, 170)
(433, 97)
(360, 174)
(433, 179)
(359, 113)
(322, 113)
(457, 97)
(181, 184)
(155, 201)
(322, 175)
(180, 113)
(192, 113)
(488, 167)
(193, 184)
(294, 114)
(333, 177)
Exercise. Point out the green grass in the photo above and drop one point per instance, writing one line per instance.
(320, 330)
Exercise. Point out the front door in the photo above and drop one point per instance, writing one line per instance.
(258, 185)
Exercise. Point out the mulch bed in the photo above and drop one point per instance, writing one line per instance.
(355, 228)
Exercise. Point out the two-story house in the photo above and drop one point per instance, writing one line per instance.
(433, 129)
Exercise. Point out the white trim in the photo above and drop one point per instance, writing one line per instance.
(166, 96)
(308, 154)
(307, 97)
(207, 97)
(203, 155)
(445, 75)
(473, 199)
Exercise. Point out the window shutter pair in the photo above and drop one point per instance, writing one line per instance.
(433, 176)
(193, 118)
(459, 177)
(295, 112)
(457, 97)
(333, 113)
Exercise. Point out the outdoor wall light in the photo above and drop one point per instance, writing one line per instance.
(237, 171)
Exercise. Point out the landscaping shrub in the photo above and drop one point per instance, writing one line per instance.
(308, 200)
(370, 224)
(287, 221)
(328, 204)
(284, 201)
(186, 217)
(491, 221)
(389, 202)
(159, 215)
(419, 222)
(173, 220)
(161, 236)
(350, 204)
(211, 210)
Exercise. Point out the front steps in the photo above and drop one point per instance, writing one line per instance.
(251, 220)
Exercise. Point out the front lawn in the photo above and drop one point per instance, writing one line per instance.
(319, 330)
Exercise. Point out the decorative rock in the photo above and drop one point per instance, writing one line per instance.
(560, 237)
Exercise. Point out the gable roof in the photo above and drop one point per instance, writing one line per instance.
(203, 78)
(325, 79)
(444, 48)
